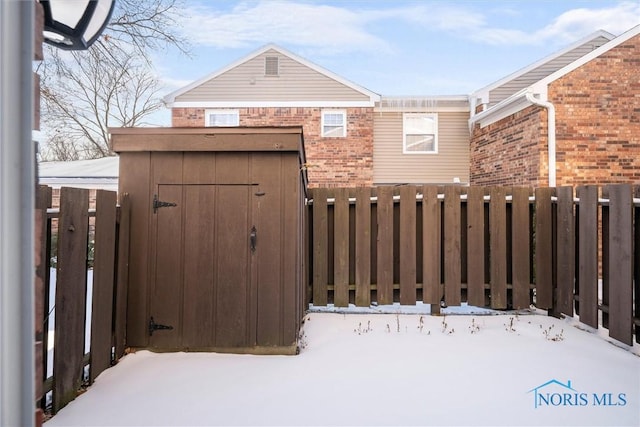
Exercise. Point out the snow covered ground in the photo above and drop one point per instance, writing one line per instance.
(382, 369)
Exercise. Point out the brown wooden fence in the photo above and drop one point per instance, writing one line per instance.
(77, 239)
(569, 253)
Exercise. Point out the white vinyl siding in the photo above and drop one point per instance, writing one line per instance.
(518, 83)
(222, 118)
(334, 123)
(296, 82)
(420, 133)
(392, 166)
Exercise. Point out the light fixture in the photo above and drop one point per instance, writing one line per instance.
(75, 24)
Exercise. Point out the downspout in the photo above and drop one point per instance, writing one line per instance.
(551, 134)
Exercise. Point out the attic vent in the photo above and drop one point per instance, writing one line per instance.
(271, 66)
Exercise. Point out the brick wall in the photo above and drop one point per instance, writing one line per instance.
(508, 152)
(332, 162)
(598, 126)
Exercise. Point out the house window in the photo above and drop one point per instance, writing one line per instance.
(271, 66)
(222, 118)
(334, 124)
(420, 133)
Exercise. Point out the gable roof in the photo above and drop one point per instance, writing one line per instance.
(521, 99)
(550, 61)
(171, 98)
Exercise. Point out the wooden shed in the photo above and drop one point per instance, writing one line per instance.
(217, 229)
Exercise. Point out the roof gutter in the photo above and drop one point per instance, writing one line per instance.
(551, 134)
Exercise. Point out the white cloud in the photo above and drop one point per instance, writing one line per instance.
(352, 28)
(321, 26)
(568, 27)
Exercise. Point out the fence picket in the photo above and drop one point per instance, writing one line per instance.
(341, 248)
(520, 237)
(408, 245)
(620, 263)
(363, 247)
(320, 246)
(384, 220)
(565, 253)
(431, 245)
(452, 246)
(544, 248)
(588, 255)
(103, 280)
(122, 283)
(498, 247)
(71, 287)
(475, 246)
(636, 262)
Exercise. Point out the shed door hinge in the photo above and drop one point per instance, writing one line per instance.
(160, 204)
(153, 326)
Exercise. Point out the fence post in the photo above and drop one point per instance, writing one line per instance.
(363, 247)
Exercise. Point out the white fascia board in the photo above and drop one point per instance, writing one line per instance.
(484, 91)
(590, 56)
(422, 110)
(273, 104)
(170, 98)
(503, 109)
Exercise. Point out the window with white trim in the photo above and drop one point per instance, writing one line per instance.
(420, 133)
(334, 123)
(221, 118)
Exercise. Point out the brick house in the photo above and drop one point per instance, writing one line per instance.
(353, 136)
(570, 119)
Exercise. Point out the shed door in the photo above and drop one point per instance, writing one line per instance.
(202, 281)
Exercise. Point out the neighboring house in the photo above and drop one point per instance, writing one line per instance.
(593, 89)
(353, 137)
(569, 119)
(97, 174)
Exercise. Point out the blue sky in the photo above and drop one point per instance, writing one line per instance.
(394, 48)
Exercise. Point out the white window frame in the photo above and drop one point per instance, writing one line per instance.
(407, 131)
(331, 134)
(209, 113)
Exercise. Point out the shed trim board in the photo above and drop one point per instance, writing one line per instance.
(218, 261)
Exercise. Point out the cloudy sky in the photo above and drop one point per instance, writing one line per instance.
(414, 47)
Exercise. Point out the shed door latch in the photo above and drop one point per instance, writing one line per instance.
(160, 204)
(153, 326)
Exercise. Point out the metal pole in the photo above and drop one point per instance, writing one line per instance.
(17, 199)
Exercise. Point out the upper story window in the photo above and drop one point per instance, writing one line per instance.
(420, 133)
(334, 123)
(222, 118)
(271, 66)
